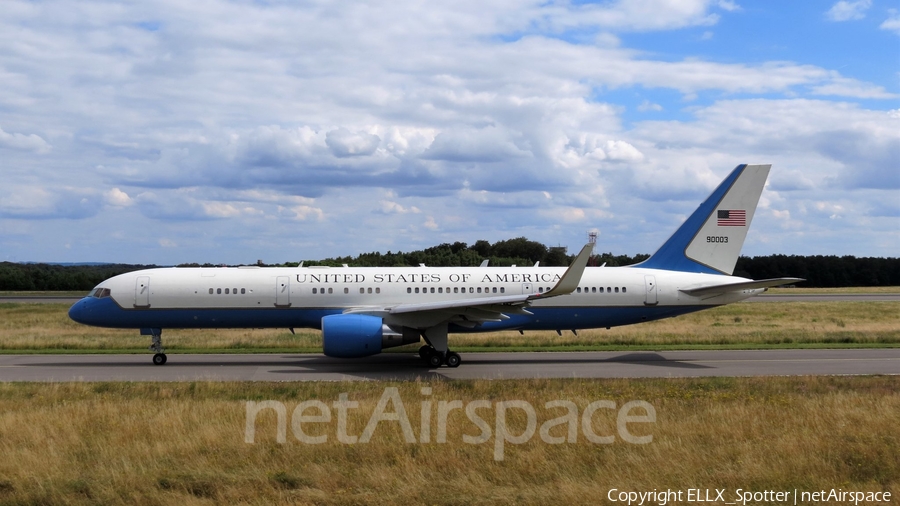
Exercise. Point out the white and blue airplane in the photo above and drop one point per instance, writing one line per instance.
(364, 310)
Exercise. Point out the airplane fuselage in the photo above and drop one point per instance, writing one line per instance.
(279, 297)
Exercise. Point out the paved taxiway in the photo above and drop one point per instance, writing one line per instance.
(403, 366)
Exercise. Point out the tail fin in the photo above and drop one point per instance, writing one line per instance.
(711, 239)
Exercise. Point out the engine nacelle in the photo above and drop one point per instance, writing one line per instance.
(351, 335)
(359, 335)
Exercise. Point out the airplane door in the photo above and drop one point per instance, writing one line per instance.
(283, 291)
(527, 288)
(650, 291)
(142, 291)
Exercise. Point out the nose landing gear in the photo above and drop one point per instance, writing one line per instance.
(159, 356)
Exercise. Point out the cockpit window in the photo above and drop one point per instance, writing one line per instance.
(100, 293)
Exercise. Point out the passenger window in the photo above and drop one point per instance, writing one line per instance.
(540, 289)
(594, 289)
(608, 290)
(471, 290)
(432, 289)
(362, 290)
(617, 289)
(314, 291)
(226, 291)
(346, 290)
(440, 290)
(210, 291)
(408, 290)
(578, 290)
(479, 289)
(417, 289)
(455, 289)
(234, 291)
(378, 290)
(502, 289)
(330, 290)
(495, 289)
(243, 291)
(369, 289)
(623, 289)
(218, 291)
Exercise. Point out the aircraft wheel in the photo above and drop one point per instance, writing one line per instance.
(436, 359)
(453, 359)
(159, 359)
(425, 352)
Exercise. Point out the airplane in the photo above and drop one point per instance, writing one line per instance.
(362, 311)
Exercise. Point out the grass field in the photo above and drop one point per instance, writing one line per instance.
(27, 328)
(184, 443)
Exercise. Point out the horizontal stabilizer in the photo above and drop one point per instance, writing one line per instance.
(735, 287)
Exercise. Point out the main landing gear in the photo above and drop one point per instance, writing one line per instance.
(436, 352)
(159, 356)
(436, 358)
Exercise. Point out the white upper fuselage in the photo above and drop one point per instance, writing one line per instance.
(355, 288)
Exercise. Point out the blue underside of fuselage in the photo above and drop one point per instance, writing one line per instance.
(106, 313)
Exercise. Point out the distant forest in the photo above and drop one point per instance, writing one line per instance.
(818, 270)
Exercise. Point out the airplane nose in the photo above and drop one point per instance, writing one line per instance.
(79, 311)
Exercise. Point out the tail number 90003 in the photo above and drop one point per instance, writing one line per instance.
(717, 238)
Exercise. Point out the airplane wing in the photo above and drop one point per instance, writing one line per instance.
(734, 287)
(482, 309)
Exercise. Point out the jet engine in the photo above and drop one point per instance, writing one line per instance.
(359, 335)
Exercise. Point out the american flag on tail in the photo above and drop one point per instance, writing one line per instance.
(731, 218)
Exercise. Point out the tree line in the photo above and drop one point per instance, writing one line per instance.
(818, 270)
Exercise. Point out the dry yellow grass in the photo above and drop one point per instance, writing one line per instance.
(184, 443)
(46, 327)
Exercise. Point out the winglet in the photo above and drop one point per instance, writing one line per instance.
(570, 279)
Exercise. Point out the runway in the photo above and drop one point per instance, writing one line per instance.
(396, 366)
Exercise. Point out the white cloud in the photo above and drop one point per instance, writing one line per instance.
(344, 143)
(844, 87)
(646, 105)
(892, 23)
(729, 6)
(30, 142)
(848, 10)
(302, 213)
(623, 152)
(117, 198)
(389, 207)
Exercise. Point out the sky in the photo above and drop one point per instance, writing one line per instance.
(169, 132)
